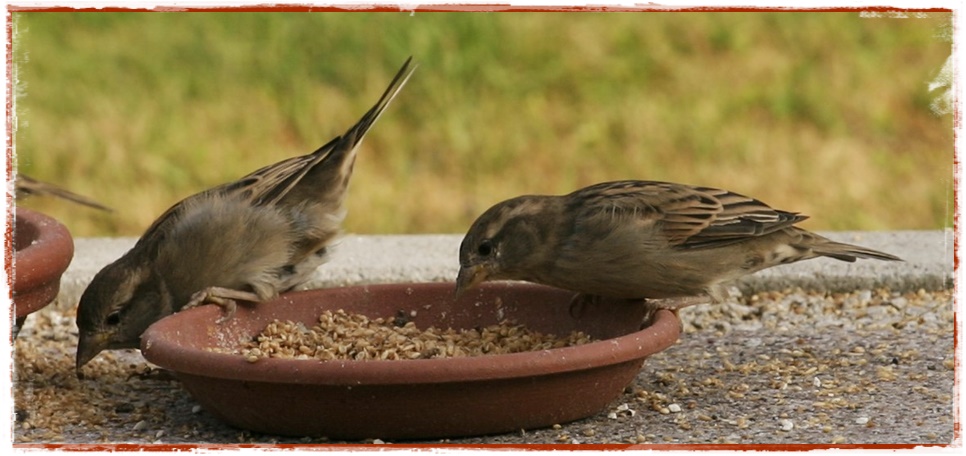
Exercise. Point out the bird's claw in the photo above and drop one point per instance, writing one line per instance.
(152, 373)
(651, 306)
(580, 302)
(224, 297)
(230, 306)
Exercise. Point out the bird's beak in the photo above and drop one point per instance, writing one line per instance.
(469, 277)
(88, 346)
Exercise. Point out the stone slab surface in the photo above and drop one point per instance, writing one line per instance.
(357, 259)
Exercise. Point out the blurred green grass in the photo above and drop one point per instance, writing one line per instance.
(827, 114)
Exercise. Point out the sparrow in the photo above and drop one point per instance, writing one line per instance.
(26, 186)
(247, 240)
(671, 245)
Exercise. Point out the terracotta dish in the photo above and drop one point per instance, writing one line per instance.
(411, 399)
(43, 248)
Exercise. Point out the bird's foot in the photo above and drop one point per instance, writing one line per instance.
(224, 297)
(651, 306)
(581, 302)
(153, 373)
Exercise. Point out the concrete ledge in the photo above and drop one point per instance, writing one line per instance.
(357, 259)
(928, 265)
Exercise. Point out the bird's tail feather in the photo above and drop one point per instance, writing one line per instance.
(350, 140)
(29, 186)
(335, 159)
(355, 134)
(849, 252)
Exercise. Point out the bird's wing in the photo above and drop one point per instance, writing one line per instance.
(684, 216)
(268, 185)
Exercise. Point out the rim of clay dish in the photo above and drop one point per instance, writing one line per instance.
(44, 259)
(161, 345)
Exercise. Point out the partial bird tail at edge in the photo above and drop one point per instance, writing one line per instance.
(26, 185)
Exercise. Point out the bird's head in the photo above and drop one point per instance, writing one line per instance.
(506, 242)
(121, 302)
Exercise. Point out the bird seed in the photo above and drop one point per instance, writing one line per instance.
(345, 336)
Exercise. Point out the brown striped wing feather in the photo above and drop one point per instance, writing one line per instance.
(689, 217)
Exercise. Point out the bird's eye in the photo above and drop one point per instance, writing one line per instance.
(114, 318)
(485, 248)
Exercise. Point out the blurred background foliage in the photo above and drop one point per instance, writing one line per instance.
(827, 114)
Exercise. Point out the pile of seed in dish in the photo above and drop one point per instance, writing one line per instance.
(345, 336)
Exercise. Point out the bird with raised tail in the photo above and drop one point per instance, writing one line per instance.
(671, 244)
(247, 240)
